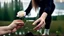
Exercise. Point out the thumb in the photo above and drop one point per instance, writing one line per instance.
(36, 22)
(13, 30)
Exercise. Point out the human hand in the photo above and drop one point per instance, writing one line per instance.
(16, 24)
(41, 23)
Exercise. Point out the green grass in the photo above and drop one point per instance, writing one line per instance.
(55, 26)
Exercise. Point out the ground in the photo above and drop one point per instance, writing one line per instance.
(55, 26)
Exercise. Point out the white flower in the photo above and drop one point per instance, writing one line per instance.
(21, 14)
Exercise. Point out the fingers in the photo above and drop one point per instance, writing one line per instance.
(36, 22)
(17, 27)
(16, 23)
(39, 26)
(19, 23)
(14, 30)
(43, 25)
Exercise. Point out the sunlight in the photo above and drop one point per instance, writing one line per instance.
(60, 1)
(2, 1)
(7, 1)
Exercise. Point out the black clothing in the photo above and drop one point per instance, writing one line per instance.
(45, 6)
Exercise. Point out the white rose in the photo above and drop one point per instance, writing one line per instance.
(21, 14)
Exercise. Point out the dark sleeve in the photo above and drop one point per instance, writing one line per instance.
(29, 8)
(49, 7)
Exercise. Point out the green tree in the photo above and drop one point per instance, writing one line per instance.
(18, 7)
(0, 10)
(10, 10)
(21, 5)
(6, 15)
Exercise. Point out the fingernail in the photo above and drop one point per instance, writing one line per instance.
(33, 24)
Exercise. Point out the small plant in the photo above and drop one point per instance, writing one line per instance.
(59, 31)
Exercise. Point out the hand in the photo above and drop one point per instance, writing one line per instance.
(16, 24)
(40, 25)
(41, 21)
(21, 14)
(4, 30)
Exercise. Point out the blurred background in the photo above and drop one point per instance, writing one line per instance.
(9, 9)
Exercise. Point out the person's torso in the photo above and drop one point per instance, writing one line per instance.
(42, 3)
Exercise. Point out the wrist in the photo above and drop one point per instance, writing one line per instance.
(11, 26)
(44, 15)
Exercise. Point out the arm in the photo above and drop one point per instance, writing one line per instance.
(4, 27)
(49, 7)
(4, 30)
(26, 12)
(16, 24)
(29, 8)
(47, 11)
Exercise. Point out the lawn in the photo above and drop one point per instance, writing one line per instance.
(56, 27)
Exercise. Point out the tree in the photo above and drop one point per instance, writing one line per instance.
(0, 6)
(17, 7)
(11, 10)
(6, 15)
(21, 5)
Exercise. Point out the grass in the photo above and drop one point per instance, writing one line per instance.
(55, 26)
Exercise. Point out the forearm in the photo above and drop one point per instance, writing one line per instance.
(44, 15)
(4, 28)
(4, 32)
